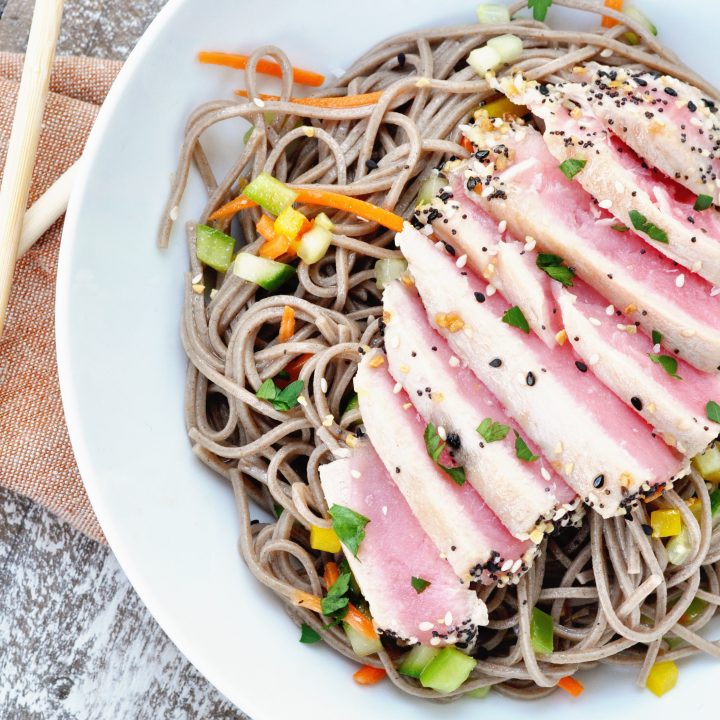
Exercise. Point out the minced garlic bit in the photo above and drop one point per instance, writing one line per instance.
(407, 405)
(302, 401)
(561, 337)
(309, 131)
(376, 361)
(437, 397)
(407, 280)
(351, 440)
(626, 479)
(536, 536)
(630, 309)
(328, 420)
(386, 316)
(404, 369)
(198, 288)
(422, 82)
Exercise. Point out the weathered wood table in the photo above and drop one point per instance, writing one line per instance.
(76, 643)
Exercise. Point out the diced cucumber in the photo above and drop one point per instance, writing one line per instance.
(489, 14)
(430, 188)
(417, 660)
(362, 645)
(448, 671)
(480, 693)
(214, 248)
(268, 274)
(387, 270)
(270, 194)
(352, 404)
(708, 464)
(323, 221)
(715, 506)
(484, 59)
(541, 632)
(314, 244)
(508, 47)
(632, 12)
(679, 547)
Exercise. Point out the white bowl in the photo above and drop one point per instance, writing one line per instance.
(170, 521)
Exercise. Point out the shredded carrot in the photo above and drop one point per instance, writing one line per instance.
(572, 686)
(608, 22)
(369, 675)
(234, 206)
(342, 101)
(287, 324)
(307, 601)
(294, 368)
(331, 574)
(351, 205)
(265, 228)
(357, 620)
(266, 67)
(273, 249)
(654, 496)
(467, 144)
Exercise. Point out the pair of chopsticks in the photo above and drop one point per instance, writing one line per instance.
(22, 150)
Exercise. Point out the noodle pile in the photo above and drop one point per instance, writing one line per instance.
(609, 588)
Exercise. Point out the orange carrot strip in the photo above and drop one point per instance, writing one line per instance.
(287, 324)
(331, 574)
(369, 675)
(360, 622)
(307, 601)
(467, 144)
(234, 206)
(572, 686)
(608, 22)
(265, 228)
(273, 249)
(266, 67)
(351, 205)
(342, 101)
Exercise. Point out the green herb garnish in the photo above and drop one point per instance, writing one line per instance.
(349, 526)
(703, 202)
(656, 337)
(492, 431)
(435, 447)
(522, 450)
(419, 584)
(539, 8)
(514, 317)
(620, 228)
(553, 266)
(712, 410)
(308, 635)
(335, 599)
(668, 364)
(572, 166)
(282, 400)
(641, 224)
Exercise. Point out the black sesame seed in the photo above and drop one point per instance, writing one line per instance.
(401, 59)
(496, 362)
(530, 379)
(599, 481)
(581, 366)
(479, 297)
(371, 164)
(671, 91)
(646, 529)
(453, 440)
(691, 106)
(636, 403)
(397, 470)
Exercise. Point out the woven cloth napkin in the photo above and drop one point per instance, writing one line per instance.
(36, 458)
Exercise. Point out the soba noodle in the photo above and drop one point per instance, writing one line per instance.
(609, 587)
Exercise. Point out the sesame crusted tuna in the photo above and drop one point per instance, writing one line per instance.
(455, 517)
(536, 198)
(606, 453)
(673, 404)
(529, 498)
(612, 173)
(396, 549)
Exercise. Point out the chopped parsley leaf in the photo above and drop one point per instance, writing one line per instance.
(435, 446)
(539, 8)
(656, 337)
(308, 635)
(620, 228)
(703, 202)
(419, 584)
(572, 166)
(335, 599)
(553, 266)
(668, 364)
(282, 400)
(492, 431)
(514, 316)
(349, 526)
(522, 450)
(641, 224)
(712, 410)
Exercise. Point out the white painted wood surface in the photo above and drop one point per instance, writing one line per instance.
(76, 642)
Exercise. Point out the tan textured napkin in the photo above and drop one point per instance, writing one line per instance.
(35, 454)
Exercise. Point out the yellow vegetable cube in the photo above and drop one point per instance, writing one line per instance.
(291, 223)
(502, 106)
(662, 678)
(665, 523)
(324, 539)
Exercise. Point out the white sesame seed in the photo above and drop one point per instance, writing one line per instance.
(606, 53)
(516, 565)
(434, 640)
(356, 474)
(697, 266)
(441, 432)
(259, 102)
(407, 406)
(427, 230)
(529, 243)
(594, 359)
(425, 626)
(383, 509)
(174, 213)
(610, 310)
(328, 420)
(422, 82)
(323, 385)
(714, 292)
(621, 326)
(545, 473)
(506, 565)
(461, 261)
(656, 348)
(502, 226)
(453, 362)
(680, 280)
(397, 388)
(605, 204)
(448, 618)
(341, 452)
(569, 468)
(490, 290)
(688, 332)
(197, 279)
(595, 321)
(559, 448)
(302, 401)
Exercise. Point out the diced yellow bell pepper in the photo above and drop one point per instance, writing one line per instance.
(662, 678)
(324, 539)
(501, 106)
(291, 223)
(665, 523)
(708, 464)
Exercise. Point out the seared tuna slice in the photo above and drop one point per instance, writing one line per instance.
(535, 198)
(527, 497)
(496, 255)
(607, 454)
(614, 175)
(455, 517)
(669, 123)
(396, 549)
(608, 344)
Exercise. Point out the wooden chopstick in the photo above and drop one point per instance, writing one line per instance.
(25, 136)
